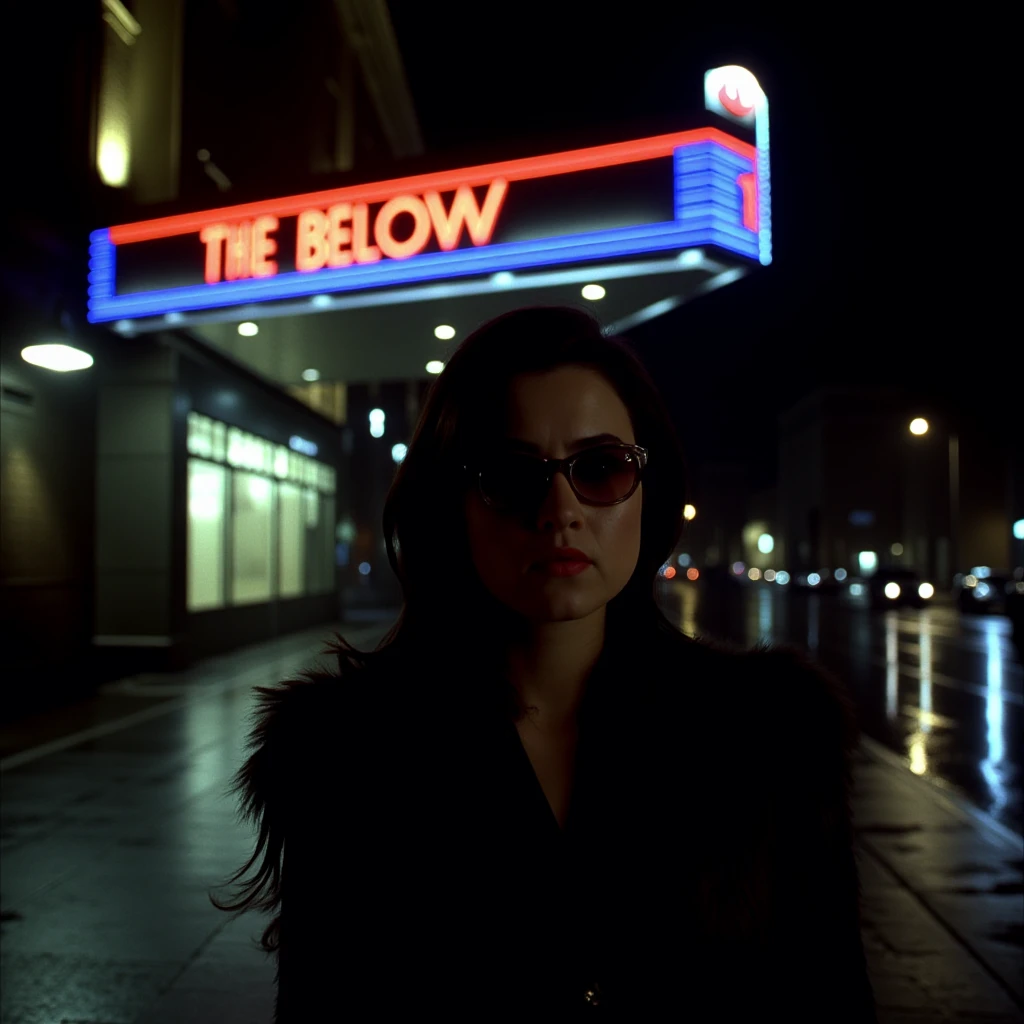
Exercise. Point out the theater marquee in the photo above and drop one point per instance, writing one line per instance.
(699, 188)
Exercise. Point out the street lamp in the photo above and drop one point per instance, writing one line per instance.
(919, 427)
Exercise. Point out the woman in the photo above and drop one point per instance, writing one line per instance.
(537, 798)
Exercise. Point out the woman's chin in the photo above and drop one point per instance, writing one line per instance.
(560, 608)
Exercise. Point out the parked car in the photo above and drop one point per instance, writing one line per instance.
(892, 587)
(984, 590)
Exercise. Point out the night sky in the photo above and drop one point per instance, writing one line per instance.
(874, 192)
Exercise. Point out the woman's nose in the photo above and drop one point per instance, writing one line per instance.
(560, 505)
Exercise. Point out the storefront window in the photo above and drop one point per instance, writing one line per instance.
(207, 490)
(325, 545)
(280, 527)
(252, 537)
(292, 542)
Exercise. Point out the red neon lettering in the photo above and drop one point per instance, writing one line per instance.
(311, 240)
(417, 241)
(480, 223)
(339, 235)
(360, 229)
(527, 169)
(212, 236)
(238, 251)
(263, 247)
(748, 186)
(342, 236)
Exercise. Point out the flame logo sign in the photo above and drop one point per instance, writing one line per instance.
(733, 103)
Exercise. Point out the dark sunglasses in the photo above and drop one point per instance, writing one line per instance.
(605, 475)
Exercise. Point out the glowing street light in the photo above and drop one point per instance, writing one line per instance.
(376, 422)
(919, 427)
(62, 358)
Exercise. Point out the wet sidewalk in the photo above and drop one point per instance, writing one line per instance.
(943, 903)
(115, 826)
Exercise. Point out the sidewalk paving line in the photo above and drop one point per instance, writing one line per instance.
(200, 695)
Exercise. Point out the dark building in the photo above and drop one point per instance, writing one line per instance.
(169, 501)
(858, 486)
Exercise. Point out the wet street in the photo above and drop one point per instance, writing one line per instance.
(941, 690)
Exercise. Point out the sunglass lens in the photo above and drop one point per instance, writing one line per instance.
(605, 475)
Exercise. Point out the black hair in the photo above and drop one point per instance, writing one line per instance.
(445, 605)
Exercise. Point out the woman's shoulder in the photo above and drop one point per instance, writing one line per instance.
(312, 724)
(770, 717)
(777, 686)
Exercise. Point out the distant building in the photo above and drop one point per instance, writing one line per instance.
(857, 488)
(715, 534)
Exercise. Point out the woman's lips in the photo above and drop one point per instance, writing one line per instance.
(563, 567)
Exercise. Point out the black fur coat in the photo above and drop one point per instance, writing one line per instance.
(706, 872)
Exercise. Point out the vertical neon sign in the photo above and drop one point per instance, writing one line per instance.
(733, 92)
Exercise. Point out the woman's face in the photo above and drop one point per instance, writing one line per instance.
(550, 411)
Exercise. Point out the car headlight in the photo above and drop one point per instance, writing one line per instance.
(892, 591)
(926, 590)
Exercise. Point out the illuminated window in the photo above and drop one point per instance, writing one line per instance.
(302, 557)
(207, 488)
(291, 542)
(251, 536)
(200, 436)
(322, 541)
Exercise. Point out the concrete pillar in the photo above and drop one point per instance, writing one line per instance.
(135, 502)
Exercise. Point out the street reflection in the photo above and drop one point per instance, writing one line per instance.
(924, 702)
(764, 613)
(759, 616)
(892, 667)
(992, 767)
(917, 742)
(813, 620)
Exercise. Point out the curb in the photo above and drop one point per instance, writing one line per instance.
(944, 794)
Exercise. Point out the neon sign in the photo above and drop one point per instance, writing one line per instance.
(734, 93)
(339, 236)
(656, 195)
